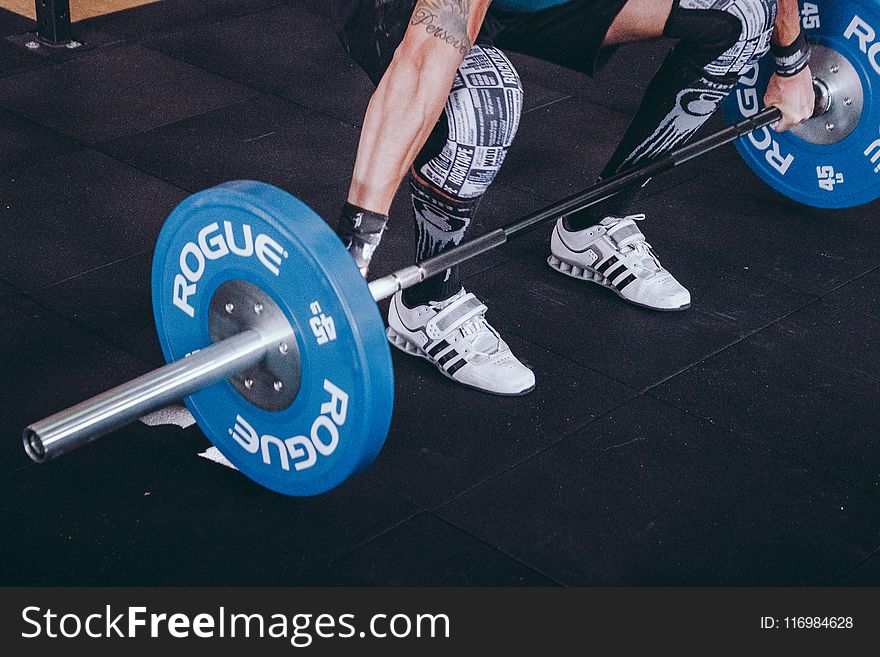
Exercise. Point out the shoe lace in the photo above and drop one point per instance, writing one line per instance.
(638, 245)
(483, 339)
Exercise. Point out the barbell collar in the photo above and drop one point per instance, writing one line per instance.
(386, 286)
(824, 98)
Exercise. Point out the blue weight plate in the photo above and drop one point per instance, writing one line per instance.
(338, 421)
(832, 161)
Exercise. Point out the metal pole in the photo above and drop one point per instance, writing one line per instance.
(53, 22)
(401, 279)
(88, 420)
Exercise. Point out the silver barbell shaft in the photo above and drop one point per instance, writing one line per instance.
(115, 408)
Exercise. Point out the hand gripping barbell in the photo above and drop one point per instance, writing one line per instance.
(274, 338)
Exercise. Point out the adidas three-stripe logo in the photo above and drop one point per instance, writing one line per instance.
(444, 360)
(610, 272)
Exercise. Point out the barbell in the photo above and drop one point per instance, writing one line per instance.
(274, 339)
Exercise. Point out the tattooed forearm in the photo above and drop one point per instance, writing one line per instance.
(446, 20)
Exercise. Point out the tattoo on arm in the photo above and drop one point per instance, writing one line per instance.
(446, 20)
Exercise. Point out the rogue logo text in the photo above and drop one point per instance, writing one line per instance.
(213, 244)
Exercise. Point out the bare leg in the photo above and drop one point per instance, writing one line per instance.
(639, 20)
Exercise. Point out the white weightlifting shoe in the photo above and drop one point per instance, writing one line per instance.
(455, 336)
(614, 254)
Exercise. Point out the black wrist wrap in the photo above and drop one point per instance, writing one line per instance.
(361, 231)
(791, 60)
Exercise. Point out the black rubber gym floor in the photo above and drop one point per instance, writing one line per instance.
(737, 443)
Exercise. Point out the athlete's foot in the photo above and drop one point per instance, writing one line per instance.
(614, 254)
(454, 335)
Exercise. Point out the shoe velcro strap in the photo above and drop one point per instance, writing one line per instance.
(454, 315)
(625, 231)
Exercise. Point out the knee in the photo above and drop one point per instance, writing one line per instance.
(755, 16)
(723, 41)
(486, 100)
(757, 28)
(482, 113)
(718, 32)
